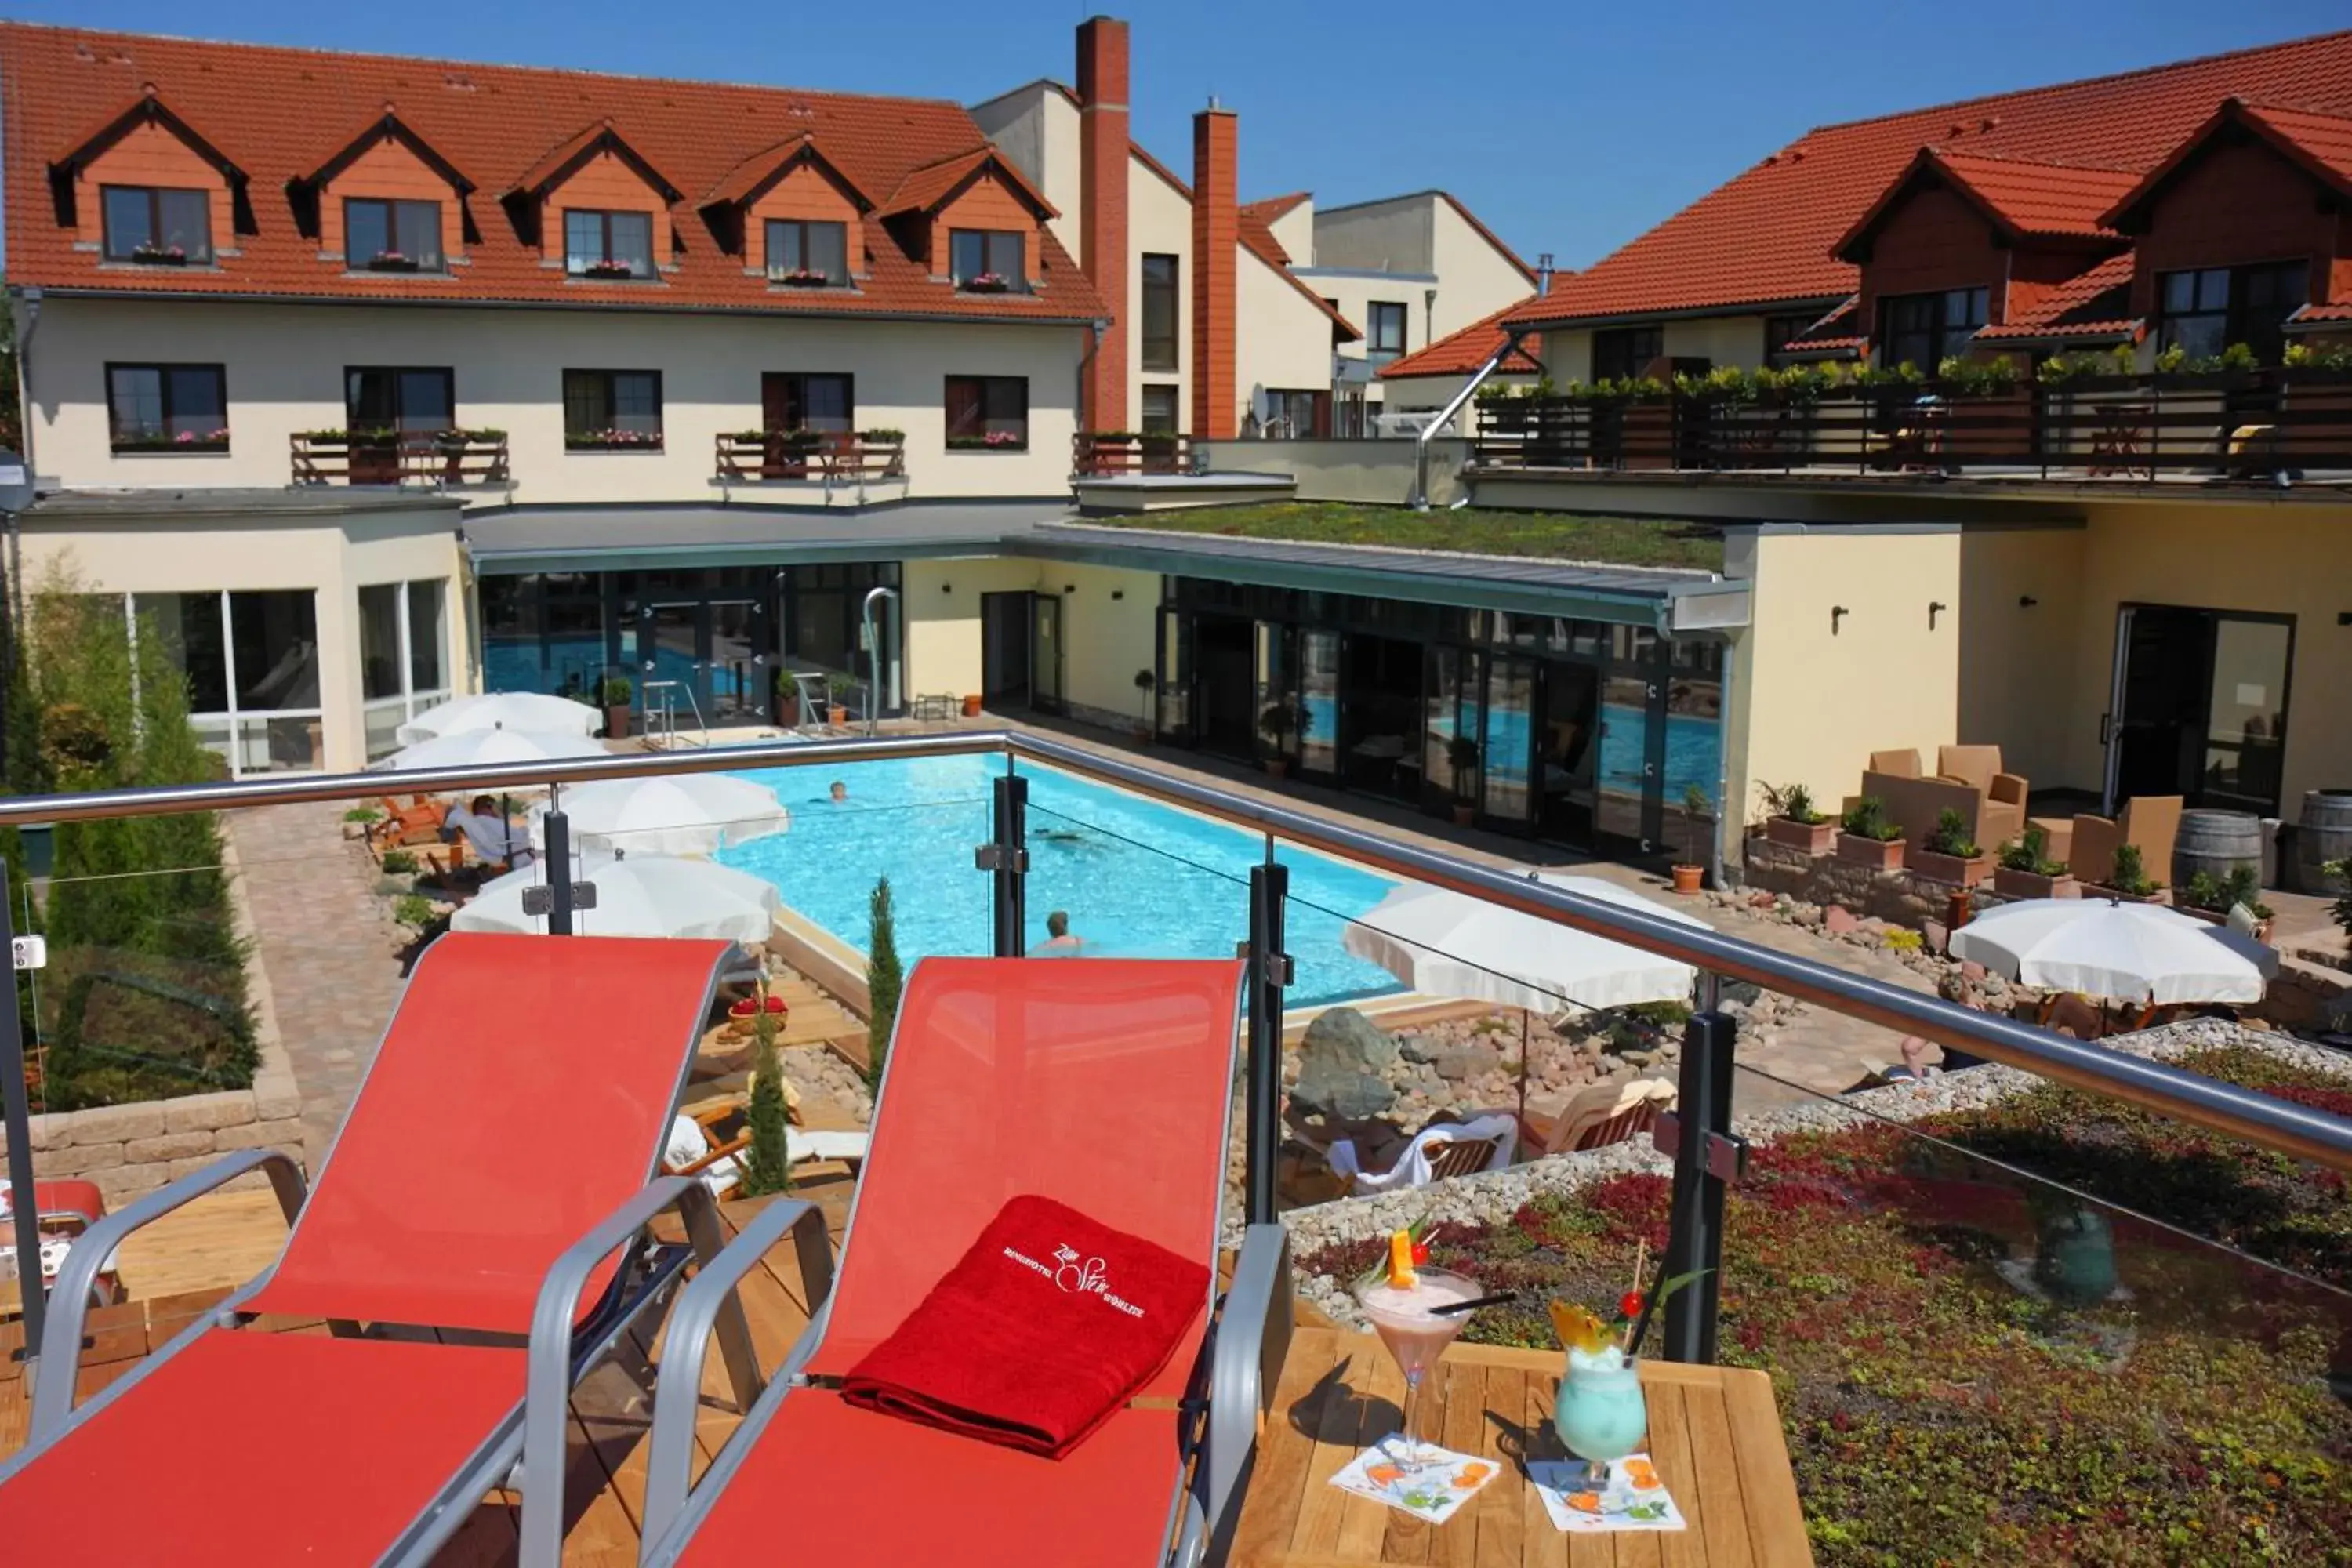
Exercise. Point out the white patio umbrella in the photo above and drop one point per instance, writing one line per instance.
(494, 744)
(1450, 944)
(693, 813)
(650, 895)
(2122, 952)
(529, 711)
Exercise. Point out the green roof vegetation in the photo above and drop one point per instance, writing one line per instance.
(1551, 535)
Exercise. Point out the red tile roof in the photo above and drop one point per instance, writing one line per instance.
(1258, 235)
(928, 188)
(2340, 310)
(1272, 208)
(1766, 234)
(2096, 303)
(1460, 353)
(2022, 199)
(279, 114)
(746, 179)
(2321, 143)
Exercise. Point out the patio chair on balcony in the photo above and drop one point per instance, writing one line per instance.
(459, 1253)
(2149, 823)
(1103, 1085)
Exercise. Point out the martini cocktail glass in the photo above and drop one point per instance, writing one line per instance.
(1416, 1335)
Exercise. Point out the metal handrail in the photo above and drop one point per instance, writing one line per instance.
(2300, 1132)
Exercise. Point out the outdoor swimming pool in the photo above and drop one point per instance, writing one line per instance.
(1140, 880)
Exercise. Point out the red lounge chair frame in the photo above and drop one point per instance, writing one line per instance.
(1106, 1084)
(453, 1229)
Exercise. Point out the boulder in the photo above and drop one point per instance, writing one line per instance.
(1342, 1065)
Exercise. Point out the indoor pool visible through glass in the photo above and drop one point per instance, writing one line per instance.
(1138, 878)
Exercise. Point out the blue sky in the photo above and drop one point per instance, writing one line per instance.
(1568, 127)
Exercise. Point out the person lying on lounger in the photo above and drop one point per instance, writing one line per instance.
(495, 840)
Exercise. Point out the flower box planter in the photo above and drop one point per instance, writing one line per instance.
(986, 283)
(800, 279)
(2012, 884)
(148, 256)
(1878, 853)
(1812, 837)
(1951, 868)
(2116, 895)
(216, 442)
(391, 261)
(608, 269)
(612, 441)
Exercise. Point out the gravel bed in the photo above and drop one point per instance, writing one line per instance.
(1495, 1197)
(816, 1070)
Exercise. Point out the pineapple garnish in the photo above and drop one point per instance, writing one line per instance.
(1579, 1329)
(1400, 1274)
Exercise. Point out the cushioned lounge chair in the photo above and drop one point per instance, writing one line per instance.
(460, 1255)
(1105, 1085)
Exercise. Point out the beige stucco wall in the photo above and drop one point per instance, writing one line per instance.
(1567, 356)
(1105, 640)
(2014, 657)
(285, 367)
(1379, 471)
(333, 557)
(1294, 232)
(1354, 293)
(1282, 340)
(1735, 341)
(1036, 126)
(1474, 279)
(1406, 393)
(1159, 220)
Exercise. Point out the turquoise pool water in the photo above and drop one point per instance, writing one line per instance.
(1140, 880)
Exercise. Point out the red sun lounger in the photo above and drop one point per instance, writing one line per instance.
(1105, 1085)
(460, 1252)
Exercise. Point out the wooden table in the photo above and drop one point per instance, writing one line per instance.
(1714, 1433)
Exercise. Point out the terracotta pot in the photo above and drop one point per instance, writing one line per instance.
(1878, 853)
(837, 714)
(1812, 837)
(2012, 884)
(971, 706)
(1951, 868)
(1277, 767)
(616, 721)
(1688, 878)
(1465, 815)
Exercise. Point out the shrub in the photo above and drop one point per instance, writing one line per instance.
(2128, 876)
(883, 982)
(2219, 895)
(1794, 802)
(616, 691)
(2030, 853)
(2342, 910)
(767, 1163)
(398, 863)
(1866, 818)
(1951, 837)
(364, 814)
(412, 910)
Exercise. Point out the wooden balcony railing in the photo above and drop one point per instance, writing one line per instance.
(440, 457)
(2255, 425)
(1102, 454)
(830, 457)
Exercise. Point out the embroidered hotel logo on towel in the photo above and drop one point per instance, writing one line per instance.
(1080, 1277)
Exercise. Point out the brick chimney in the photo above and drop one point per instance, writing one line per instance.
(1216, 230)
(1102, 222)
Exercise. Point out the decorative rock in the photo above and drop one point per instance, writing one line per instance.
(1936, 937)
(1838, 920)
(1340, 1066)
(1417, 1050)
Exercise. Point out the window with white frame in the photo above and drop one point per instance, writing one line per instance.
(251, 658)
(404, 669)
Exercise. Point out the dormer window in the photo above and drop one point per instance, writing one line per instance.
(393, 237)
(158, 227)
(599, 244)
(988, 261)
(807, 253)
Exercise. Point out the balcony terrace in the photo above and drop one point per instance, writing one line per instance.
(832, 460)
(439, 460)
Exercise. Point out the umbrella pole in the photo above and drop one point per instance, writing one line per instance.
(1523, 1072)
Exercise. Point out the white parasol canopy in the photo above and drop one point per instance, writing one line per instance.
(460, 748)
(502, 711)
(694, 814)
(652, 895)
(2124, 952)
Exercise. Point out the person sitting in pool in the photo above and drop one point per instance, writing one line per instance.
(1058, 941)
(839, 793)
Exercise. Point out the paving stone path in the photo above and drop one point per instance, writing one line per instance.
(327, 948)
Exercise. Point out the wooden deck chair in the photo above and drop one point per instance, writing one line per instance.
(1600, 1114)
(1104, 1084)
(461, 1255)
(402, 826)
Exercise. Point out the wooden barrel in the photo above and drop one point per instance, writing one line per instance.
(2215, 841)
(2323, 837)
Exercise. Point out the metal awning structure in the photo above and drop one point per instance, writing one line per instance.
(505, 541)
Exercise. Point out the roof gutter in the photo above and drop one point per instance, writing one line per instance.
(242, 297)
(1419, 499)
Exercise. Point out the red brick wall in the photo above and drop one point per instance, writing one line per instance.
(986, 203)
(1934, 239)
(2236, 202)
(391, 172)
(1216, 230)
(152, 155)
(1102, 220)
(805, 193)
(609, 184)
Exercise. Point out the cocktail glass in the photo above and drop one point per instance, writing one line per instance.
(1600, 1414)
(1416, 1336)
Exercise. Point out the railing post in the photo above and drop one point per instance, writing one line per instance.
(1269, 973)
(1706, 1159)
(18, 1110)
(559, 864)
(1008, 861)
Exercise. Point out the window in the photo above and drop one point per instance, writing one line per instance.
(794, 400)
(611, 408)
(1387, 327)
(1160, 411)
(1160, 314)
(252, 665)
(393, 237)
(157, 226)
(1623, 352)
(607, 244)
(377, 398)
(1780, 331)
(2205, 312)
(402, 630)
(807, 252)
(1924, 330)
(168, 407)
(990, 411)
(1294, 415)
(988, 261)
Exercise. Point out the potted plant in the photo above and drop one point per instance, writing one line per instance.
(1792, 822)
(972, 705)
(1279, 722)
(1461, 756)
(2129, 881)
(1951, 853)
(788, 698)
(2212, 898)
(2026, 870)
(1146, 683)
(1690, 873)
(1867, 838)
(618, 692)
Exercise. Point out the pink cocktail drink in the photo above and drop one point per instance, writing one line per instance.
(1406, 1318)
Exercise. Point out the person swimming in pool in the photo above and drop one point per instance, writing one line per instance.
(1059, 942)
(839, 793)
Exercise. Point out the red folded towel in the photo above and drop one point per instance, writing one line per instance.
(1047, 1325)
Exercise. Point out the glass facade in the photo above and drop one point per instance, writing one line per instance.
(404, 665)
(252, 664)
